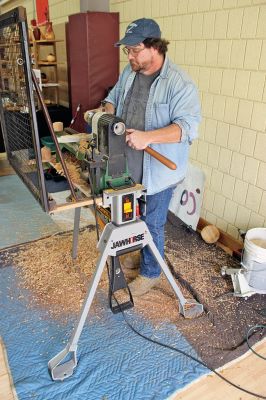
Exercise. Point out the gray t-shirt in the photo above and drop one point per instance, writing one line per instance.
(134, 116)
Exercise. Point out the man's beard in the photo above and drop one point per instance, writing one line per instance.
(140, 67)
(136, 67)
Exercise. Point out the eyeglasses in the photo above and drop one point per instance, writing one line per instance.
(132, 50)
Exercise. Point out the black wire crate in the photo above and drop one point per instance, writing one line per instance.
(18, 103)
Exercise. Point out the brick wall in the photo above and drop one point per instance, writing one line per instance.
(222, 44)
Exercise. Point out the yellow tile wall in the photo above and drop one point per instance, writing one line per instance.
(222, 44)
(59, 11)
(28, 4)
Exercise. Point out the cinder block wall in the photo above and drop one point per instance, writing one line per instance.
(222, 44)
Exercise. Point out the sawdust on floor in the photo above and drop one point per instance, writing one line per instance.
(59, 283)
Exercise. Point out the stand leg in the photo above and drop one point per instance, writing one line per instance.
(188, 307)
(112, 239)
(117, 282)
(60, 370)
(76, 233)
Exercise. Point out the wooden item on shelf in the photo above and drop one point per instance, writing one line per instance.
(35, 30)
(50, 57)
(30, 33)
(46, 153)
(58, 126)
(42, 31)
(49, 33)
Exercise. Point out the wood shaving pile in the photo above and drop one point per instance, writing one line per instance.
(83, 145)
(54, 279)
(74, 169)
(59, 283)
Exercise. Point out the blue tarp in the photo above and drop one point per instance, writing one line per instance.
(114, 363)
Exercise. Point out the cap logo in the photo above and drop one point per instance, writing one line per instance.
(130, 27)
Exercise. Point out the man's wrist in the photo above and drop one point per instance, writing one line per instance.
(149, 136)
(170, 134)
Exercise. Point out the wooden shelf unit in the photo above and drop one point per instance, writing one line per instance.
(43, 64)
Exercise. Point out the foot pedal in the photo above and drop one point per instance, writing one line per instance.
(118, 282)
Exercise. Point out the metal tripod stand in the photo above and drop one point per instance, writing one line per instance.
(117, 236)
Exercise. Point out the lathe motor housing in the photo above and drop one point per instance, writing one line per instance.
(107, 159)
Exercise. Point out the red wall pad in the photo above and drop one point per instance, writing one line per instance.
(92, 59)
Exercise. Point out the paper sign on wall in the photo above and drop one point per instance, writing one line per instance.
(187, 198)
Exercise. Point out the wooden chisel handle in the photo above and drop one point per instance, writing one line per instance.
(168, 163)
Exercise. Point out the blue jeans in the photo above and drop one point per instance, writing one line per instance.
(155, 218)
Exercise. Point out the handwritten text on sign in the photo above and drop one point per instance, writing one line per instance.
(187, 198)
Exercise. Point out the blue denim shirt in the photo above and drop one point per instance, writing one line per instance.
(174, 99)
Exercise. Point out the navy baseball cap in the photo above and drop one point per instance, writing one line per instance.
(139, 30)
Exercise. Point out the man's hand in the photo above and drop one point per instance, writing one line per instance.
(109, 108)
(137, 140)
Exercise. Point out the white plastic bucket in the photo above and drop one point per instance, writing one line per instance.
(254, 259)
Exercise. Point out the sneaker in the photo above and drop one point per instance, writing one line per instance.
(142, 285)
